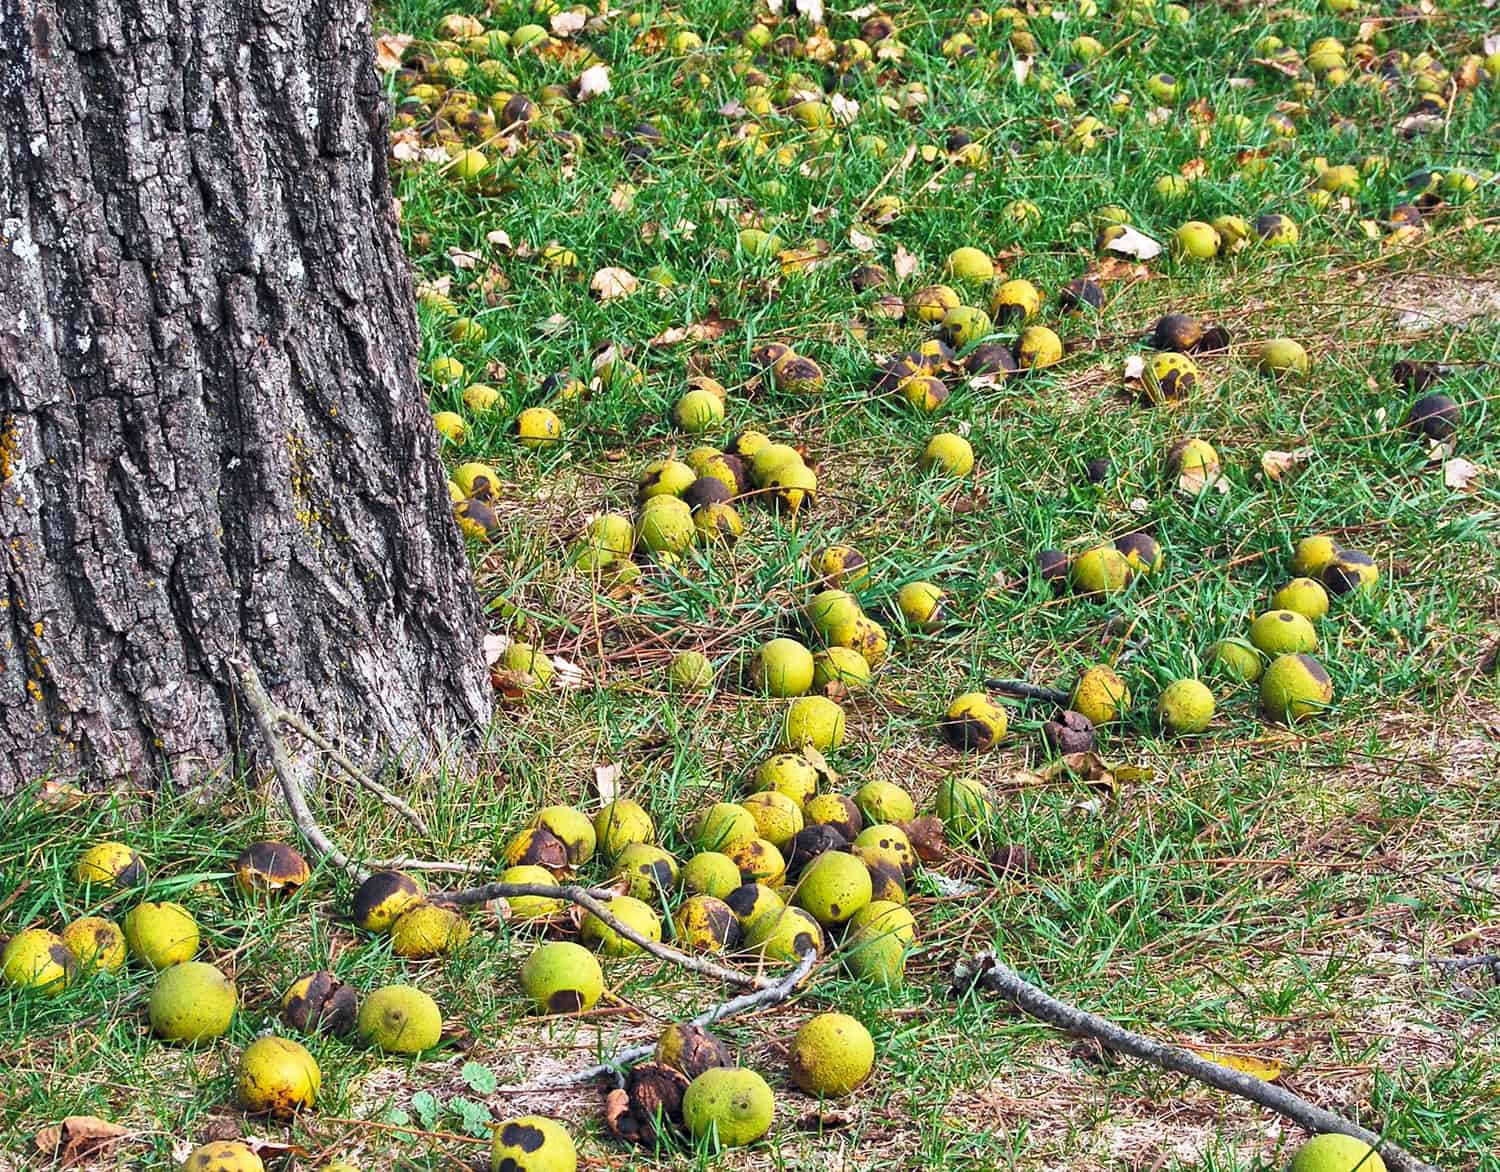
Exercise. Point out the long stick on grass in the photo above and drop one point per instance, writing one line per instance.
(986, 972)
(267, 716)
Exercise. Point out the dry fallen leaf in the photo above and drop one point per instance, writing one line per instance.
(1197, 481)
(78, 1139)
(389, 49)
(494, 647)
(566, 674)
(500, 238)
(904, 263)
(1265, 1069)
(613, 283)
(568, 21)
(1275, 464)
(845, 110)
(825, 1118)
(861, 241)
(607, 782)
(592, 82)
(1135, 366)
(463, 260)
(1458, 472)
(1132, 242)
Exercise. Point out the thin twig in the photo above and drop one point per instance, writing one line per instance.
(291, 789)
(986, 972)
(1029, 691)
(297, 724)
(591, 901)
(770, 994)
(426, 865)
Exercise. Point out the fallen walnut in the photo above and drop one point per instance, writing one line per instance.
(649, 1105)
(1069, 732)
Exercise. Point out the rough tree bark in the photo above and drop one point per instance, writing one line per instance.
(212, 441)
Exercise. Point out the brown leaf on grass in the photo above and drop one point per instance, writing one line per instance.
(510, 687)
(861, 241)
(1194, 169)
(710, 329)
(568, 21)
(927, 838)
(1285, 68)
(1089, 768)
(388, 51)
(904, 263)
(613, 283)
(827, 776)
(825, 1119)
(1114, 268)
(78, 1138)
(1275, 465)
(1196, 481)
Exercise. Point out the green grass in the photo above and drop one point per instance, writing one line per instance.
(1255, 890)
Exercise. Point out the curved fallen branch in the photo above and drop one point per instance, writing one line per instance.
(266, 717)
(986, 972)
(1025, 690)
(772, 993)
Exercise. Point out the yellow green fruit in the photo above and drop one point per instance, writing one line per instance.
(538, 427)
(702, 923)
(722, 826)
(729, 1106)
(649, 871)
(969, 264)
(787, 936)
(400, 1019)
(882, 918)
(383, 898)
(621, 823)
(1279, 632)
(831, 609)
(710, 873)
(191, 1002)
(948, 453)
(884, 801)
(96, 943)
(1350, 571)
(787, 773)
(963, 806)
(1038, 347)
(1237, 659)
(161, 934)
(841, 567)
(1101, 695)
(777, 817)
(1302, 596)
(698, 411)
(1100, 570)
(1282, 357)
(1295, 686)
(633, 914)
(931, 303)
(573, 828)
(1169, 378)
(782, 667)
(963, 325)
(875, 957)
(562, 977)
(1015, 301)
(532, 1143)
(1332, 1152)
(1185, 706)
(38, 959)
(840, 665)
(1313, 554)
(109, 864)
(277, 1076)
(814, 721)
(831, 1055)
(429, 930)
(833, 887)
(223, 1156)
(1196, 240)
(973, 721)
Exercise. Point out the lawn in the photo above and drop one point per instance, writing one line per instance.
(1314, 898)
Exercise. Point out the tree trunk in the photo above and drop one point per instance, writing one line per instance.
(212, 441)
